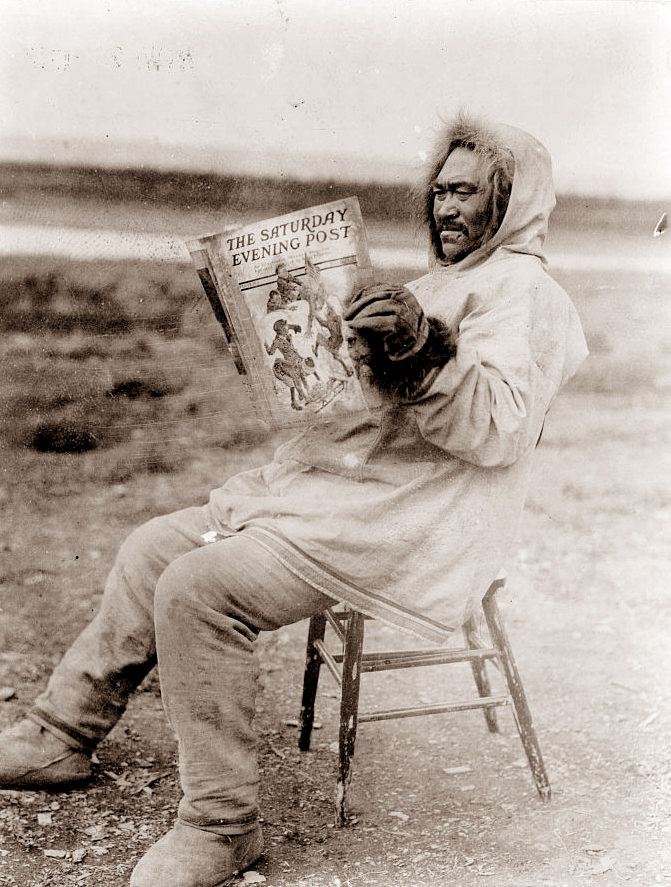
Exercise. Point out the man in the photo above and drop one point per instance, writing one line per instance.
(406, 514)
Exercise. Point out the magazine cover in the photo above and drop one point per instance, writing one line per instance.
(278, 288)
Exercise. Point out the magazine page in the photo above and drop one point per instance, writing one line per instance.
(282, 285)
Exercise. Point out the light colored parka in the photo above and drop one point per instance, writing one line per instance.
(409, 513)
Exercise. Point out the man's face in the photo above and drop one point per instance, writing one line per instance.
(461, 204)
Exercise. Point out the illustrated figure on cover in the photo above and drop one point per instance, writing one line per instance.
(291, 368)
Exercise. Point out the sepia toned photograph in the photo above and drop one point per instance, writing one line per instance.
(335, 360)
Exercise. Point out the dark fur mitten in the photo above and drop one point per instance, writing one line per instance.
(406, 380)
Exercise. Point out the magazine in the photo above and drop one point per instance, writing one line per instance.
(278, 289)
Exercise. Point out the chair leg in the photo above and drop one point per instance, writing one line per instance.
(521, 710)
(349, 709)
(310, 680)
(480, 676)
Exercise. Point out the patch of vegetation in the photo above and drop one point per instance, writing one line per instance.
(63, 439)
(130, 362)
(54, 302)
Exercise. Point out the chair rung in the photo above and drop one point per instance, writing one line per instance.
(329, 660)
(382, 661)
(372, 662)
(411, 658)
(335, 621)
(390, 714)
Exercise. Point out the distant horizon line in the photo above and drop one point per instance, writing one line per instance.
(198, 159)
(83, 167)
(81, 154)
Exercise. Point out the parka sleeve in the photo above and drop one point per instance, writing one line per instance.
(488, 403)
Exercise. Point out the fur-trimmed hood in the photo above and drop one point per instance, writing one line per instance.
(532, 199)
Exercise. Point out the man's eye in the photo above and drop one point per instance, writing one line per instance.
(459, 193)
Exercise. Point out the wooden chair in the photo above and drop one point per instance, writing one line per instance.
(348, 666)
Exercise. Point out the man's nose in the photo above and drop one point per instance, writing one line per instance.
(447, 208)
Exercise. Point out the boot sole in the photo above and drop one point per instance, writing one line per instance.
(37, 783)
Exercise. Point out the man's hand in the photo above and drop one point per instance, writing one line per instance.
(392, 313)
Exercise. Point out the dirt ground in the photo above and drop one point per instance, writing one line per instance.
(435, 801)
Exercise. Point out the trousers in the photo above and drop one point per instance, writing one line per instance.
(195, 607)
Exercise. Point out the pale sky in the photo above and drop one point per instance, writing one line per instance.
(358, 85)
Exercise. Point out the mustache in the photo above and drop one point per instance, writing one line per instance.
(451, 226)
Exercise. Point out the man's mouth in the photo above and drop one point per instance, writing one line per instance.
(451, 235)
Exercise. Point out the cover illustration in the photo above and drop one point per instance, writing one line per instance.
(278, 289)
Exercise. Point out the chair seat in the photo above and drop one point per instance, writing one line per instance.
(351, 661)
